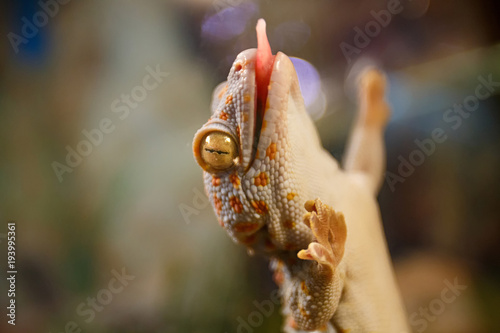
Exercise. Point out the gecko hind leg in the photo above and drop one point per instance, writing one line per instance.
(365, 155)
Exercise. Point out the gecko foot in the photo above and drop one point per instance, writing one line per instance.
(329, 230)
(374, 108)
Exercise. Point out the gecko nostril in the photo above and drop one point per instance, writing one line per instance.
(237, 67)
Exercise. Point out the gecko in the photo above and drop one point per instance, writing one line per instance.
(277, 191)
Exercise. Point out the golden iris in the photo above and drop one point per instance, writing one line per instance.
(218, 150)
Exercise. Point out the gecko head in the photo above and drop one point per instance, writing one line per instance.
(245, 148)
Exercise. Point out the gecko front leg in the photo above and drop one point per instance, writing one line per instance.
(312, 286)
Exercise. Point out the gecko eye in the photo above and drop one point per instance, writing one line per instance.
(218, 150)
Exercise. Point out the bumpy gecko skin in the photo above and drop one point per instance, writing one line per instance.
(275, 190)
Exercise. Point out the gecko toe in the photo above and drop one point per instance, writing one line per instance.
(329, 230)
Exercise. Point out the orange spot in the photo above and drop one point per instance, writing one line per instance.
(223, 115)
(229, 99)
(220, 222)
(264, 125)
(237, 67)
(261, 179)
(222, 92)
(236, 204)
(271, 151)
(215, 181)
(289, 224)
(303, 312)
(303, 286)
(245, 117)
(245, 227)
(235, 180)
(247, 98)
(259, 206)
(290, 322)
(290, 196)
(238, 131)
(217, 204)
(257, 154)
(278, 277)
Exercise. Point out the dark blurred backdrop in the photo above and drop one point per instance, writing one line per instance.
(122, 240)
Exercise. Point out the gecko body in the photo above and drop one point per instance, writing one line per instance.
(275, 190)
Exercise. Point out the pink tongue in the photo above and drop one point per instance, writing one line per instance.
(263, 65)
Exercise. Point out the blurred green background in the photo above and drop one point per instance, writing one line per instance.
(134, 203)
